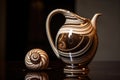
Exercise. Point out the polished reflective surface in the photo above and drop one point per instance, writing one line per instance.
(98, 71)
(37, 76)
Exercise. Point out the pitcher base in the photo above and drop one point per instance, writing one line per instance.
(74, 71)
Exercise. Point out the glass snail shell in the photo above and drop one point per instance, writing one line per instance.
(36, 59)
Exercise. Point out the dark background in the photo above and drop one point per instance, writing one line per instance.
(22, 26)
(25, 28)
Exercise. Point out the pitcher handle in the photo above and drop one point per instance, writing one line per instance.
(56, 11)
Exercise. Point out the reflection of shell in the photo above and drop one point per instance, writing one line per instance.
(37, 76)
(62, 45)
(36, 59)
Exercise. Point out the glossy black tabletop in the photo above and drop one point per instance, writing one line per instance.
(98, 71)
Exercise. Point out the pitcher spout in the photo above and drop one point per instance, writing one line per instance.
(94, 19)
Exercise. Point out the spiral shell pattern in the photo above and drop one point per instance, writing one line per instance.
(36, 59)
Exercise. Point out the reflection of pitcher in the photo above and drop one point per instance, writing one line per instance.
(76, 41)
(80, 77)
